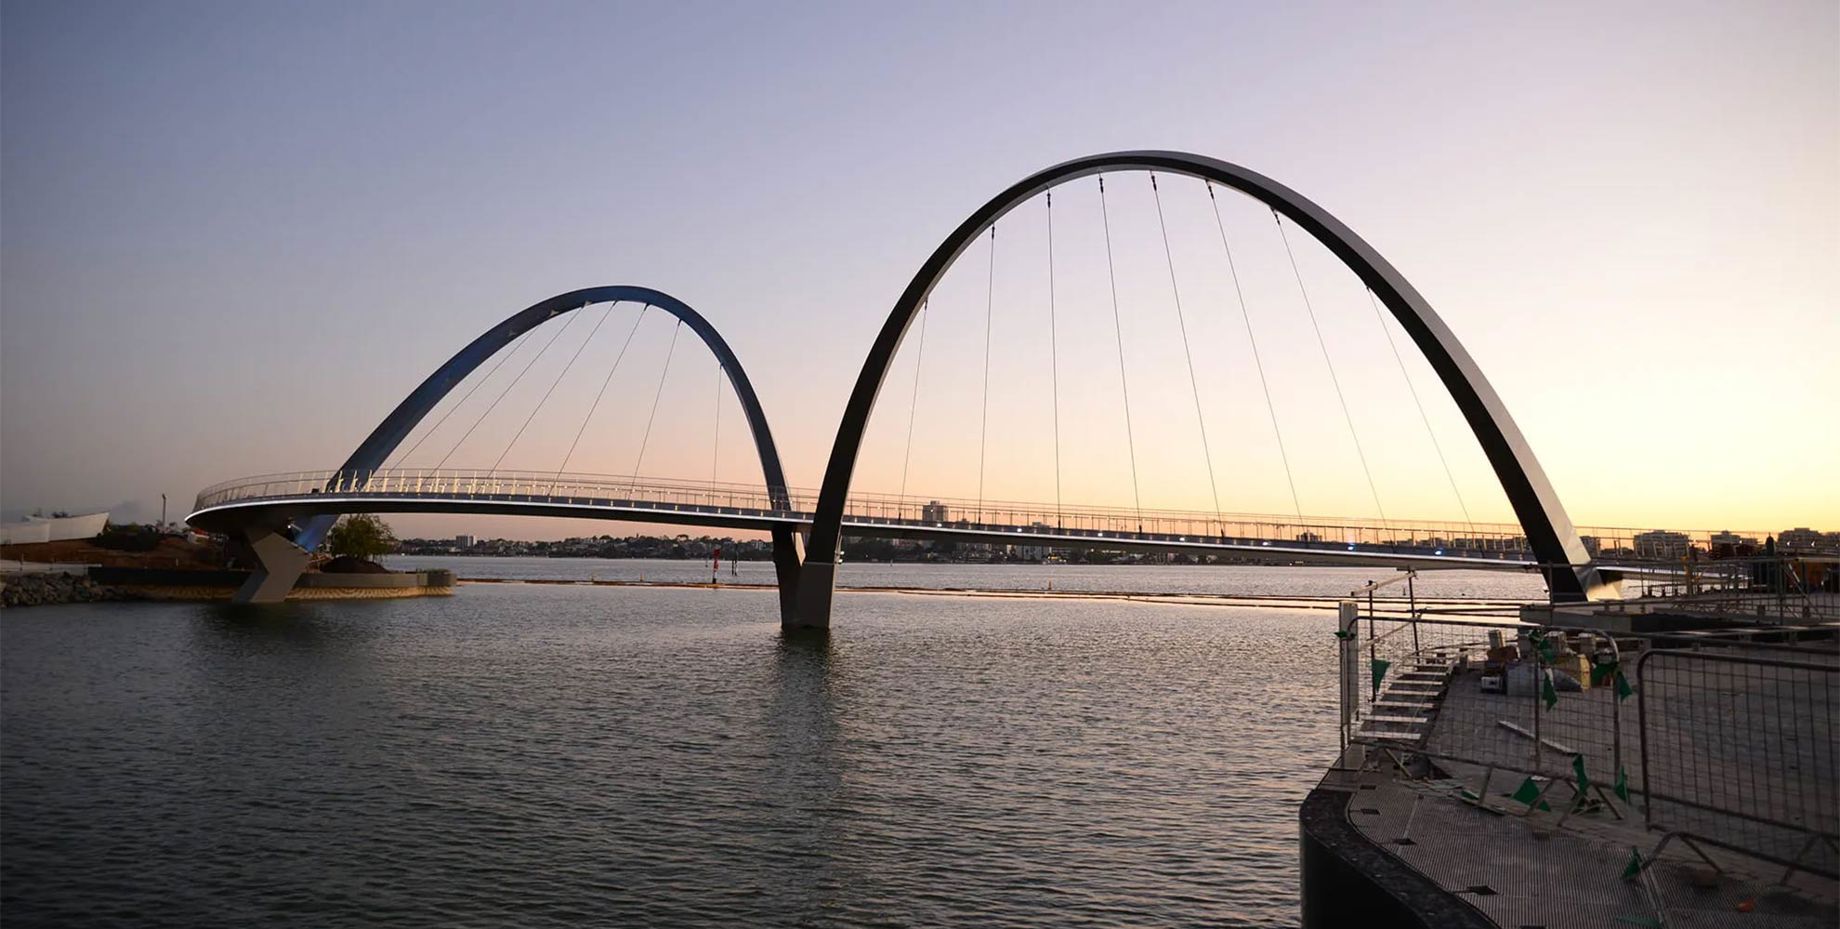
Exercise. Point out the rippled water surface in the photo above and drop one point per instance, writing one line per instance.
(1238, 580)
(538, 755)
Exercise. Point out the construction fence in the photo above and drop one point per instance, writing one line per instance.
(1725, 739)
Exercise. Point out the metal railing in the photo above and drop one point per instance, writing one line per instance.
(1740, 750)
(1714, 736)
(458, 484)
(1778, 587)
(1431, 538)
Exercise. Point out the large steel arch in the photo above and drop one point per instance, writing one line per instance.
(383, 440)
(1571, 575)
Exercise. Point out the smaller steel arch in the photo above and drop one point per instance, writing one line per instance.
(383, 440)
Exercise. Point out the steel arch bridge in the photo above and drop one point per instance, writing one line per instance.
(282, 559)
(1571, 574)
(283, 518)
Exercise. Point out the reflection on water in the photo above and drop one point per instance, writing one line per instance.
(1238, 580)
(548, 755)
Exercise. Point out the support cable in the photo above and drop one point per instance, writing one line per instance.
(647, 308)
(1118, 330)
(913, 403)
(647, 437)
(1429, 432)
(1333, 380)
(514, 382)
(1054, 364)
(1194, 388)
(552, 386)
(715, 444)
(1257, 363)
(990, 292)
(502, 358)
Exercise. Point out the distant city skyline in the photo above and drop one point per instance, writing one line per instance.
(236, 247)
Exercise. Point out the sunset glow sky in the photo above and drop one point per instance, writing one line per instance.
(233, 236)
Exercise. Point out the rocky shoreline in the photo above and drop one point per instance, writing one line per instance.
(44, 589)
(103, 584)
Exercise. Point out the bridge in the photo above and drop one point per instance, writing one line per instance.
(281, 519)
(299, 496)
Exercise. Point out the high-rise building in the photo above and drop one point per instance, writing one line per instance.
(1800, 539)
(1661, 544)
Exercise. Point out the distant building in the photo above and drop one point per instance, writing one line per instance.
(1728, 544)
(1803, 539)
(1661, 544)
(934, 512)
(1728, 537)
(1592, 544)
(463, 541)
(1032, 552)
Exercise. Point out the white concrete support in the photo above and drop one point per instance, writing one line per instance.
(280, 564)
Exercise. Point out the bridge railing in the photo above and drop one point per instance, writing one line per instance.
(1182, 525)
(495, 485)
(990, 516)
(984, 518)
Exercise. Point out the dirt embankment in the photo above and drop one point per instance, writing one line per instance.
(169, 553)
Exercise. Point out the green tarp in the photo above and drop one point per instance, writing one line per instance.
(1529, 793)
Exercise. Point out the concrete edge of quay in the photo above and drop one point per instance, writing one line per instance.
(1346, 879)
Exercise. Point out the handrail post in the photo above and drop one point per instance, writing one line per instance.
(1348, 627)
(1538, 689)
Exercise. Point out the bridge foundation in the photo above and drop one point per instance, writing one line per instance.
(788, 565)
(812, 605)
(279, 564)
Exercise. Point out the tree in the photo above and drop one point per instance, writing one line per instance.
(361, 535)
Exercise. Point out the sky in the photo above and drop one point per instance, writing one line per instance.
(234, 235)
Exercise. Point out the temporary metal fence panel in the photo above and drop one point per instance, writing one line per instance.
(1740, 750)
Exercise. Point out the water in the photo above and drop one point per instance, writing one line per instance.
(1252, 580)
(541, 755)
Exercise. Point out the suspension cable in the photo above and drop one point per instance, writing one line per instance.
(552, 386)
(1429, 432)
(1194, 388)
(1333, 380)
(647, 308)
(1246, 317)
(715, 444)
(1054, 364)
(502, 358)
(1118, 330)
(647, 437)
(913, 402)
(514, 382)
(990, 292)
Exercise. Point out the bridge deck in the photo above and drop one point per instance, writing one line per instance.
(278, 499)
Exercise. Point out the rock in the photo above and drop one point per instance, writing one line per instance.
(41, 589)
